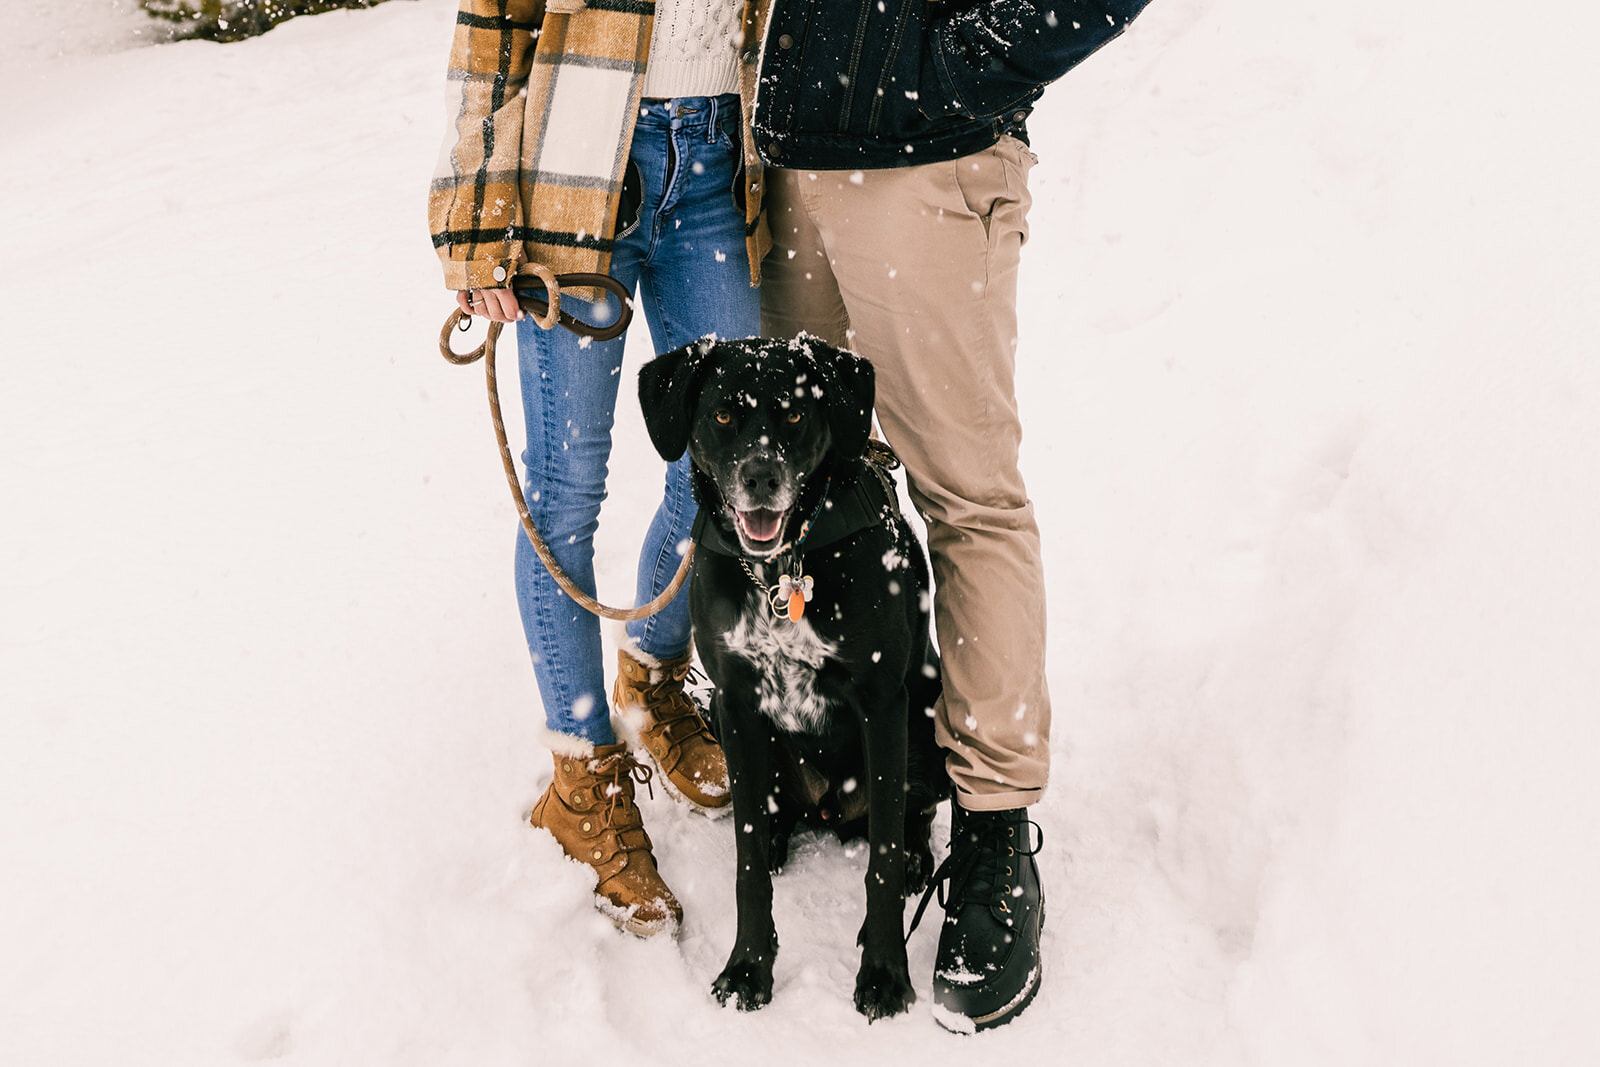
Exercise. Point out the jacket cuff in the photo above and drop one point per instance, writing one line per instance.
(479, 274)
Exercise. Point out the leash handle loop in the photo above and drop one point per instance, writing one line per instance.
(545, 307)
(547, 316)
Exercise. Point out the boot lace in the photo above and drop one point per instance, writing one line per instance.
(981, 867)
(621, 770)
(670, 704)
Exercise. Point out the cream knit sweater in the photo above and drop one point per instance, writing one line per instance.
(692, 49)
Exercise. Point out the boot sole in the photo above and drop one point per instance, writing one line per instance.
(644, 931)
(957, 1023)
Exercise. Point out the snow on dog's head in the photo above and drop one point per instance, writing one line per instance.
(757, 418)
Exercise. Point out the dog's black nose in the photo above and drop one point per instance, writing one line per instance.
(760, 475)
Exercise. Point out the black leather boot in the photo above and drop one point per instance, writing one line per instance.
(988, 966)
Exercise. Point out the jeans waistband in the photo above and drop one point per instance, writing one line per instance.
(681, 112)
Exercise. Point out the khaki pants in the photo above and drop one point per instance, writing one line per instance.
(916, 269)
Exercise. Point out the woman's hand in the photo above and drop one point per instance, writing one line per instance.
(496, 305)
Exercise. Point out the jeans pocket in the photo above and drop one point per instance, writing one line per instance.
(728, 131)
(738, 189)
(630, 201)
(730, 135)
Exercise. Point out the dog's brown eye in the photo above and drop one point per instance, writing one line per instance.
(723, 417)
(793, 417)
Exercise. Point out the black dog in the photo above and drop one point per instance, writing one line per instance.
(810, 608)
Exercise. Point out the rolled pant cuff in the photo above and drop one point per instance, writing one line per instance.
(1016, 798)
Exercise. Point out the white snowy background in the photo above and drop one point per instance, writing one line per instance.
(1310, 374)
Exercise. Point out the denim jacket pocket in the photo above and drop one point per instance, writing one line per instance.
(936, 97)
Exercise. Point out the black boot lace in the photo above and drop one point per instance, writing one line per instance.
(982, 868)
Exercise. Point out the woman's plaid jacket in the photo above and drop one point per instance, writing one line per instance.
(543, 96)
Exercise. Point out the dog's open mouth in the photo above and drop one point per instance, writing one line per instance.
(760, 527)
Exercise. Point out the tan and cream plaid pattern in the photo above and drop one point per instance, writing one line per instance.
(542, 105)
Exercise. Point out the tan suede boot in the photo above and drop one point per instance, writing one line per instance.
(589, 808)
(649, 697)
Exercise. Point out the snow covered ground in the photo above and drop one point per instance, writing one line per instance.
(1310, 371)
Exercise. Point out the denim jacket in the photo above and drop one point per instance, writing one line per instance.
(892, 83)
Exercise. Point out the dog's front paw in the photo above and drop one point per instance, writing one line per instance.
(777, 851)
(883, 990)
(748, 984)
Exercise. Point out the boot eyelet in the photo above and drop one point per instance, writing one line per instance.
(589, 826)
(598, 854)
(577, 796)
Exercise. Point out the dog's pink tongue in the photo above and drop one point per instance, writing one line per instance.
(761, 524)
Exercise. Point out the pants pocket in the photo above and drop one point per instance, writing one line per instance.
(631, 200)
(995, 181)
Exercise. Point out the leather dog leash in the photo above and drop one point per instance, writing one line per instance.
(545, 307)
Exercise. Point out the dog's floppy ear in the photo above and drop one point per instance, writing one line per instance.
(668, 386)
(848, 388)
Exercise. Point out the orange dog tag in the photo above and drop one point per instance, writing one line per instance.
(791, 595)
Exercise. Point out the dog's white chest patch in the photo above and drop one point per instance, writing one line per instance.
(787, 656)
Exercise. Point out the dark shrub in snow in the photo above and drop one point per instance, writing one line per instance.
(234, 20)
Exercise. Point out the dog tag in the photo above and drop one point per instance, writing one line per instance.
(796, 592)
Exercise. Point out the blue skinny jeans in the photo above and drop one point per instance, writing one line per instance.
(686, 260)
